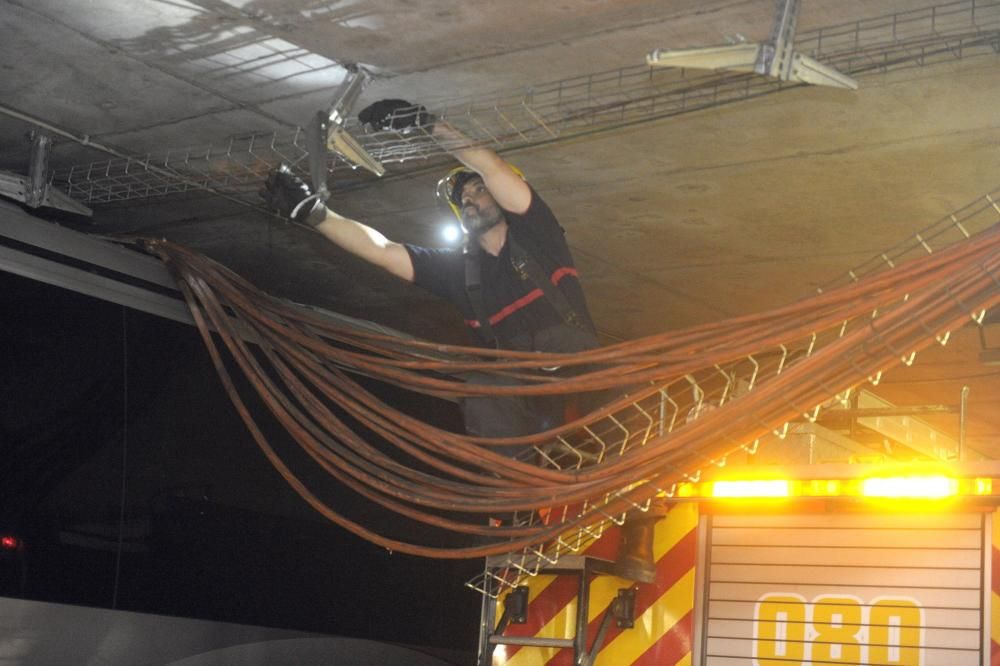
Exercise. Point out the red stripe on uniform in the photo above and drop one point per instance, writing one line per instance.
(677, 562)
(994, 653)
(560, 273)
(525, 300)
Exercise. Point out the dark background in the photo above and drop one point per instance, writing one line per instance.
(133, 484)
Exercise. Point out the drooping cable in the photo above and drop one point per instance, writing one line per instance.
(672, 403)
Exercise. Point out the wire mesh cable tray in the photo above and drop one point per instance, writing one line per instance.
(667, 409)
(552, 111)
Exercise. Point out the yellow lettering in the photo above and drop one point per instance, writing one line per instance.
(895, 633)
(837, 621)
(780, 630)
(837, 629)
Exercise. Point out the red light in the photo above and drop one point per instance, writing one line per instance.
(8, 542)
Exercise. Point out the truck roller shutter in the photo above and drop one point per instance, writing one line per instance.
(845, 588)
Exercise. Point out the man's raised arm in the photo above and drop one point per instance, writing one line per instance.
(508, 189)
(286, 194)
(367, 243)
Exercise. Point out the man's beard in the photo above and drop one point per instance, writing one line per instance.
(477, 222)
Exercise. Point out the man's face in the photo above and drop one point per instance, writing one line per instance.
(480, 211)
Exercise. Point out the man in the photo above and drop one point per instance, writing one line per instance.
(514, 281)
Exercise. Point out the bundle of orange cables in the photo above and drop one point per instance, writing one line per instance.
(757, 373)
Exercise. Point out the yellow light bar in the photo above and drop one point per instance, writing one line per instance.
(918, 487)
(925, 487)
(762, 488)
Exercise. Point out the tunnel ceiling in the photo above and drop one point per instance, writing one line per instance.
(687, 197)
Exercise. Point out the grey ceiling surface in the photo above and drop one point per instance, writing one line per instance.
(673, 220)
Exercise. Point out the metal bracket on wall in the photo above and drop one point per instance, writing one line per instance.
(36, 191)
(775, 58)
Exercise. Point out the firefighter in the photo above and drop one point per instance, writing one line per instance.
(514, 280)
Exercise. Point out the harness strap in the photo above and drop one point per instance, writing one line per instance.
(528, 269)
(474, 289)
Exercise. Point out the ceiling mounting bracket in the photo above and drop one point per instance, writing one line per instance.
(775, 58)
(336, 138)
(325, 132)
(36, 191)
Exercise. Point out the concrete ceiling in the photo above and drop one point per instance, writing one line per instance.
(673, 221)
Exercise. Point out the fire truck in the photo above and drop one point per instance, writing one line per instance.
(812, 551)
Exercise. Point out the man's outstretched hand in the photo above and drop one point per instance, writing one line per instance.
(396, 114)
(283, 191)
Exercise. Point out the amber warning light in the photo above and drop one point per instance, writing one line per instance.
(920, 487)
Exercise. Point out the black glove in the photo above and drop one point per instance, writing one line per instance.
(397, 114)
(284, 191)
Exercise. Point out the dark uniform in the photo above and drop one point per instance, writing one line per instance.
(521, 316)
